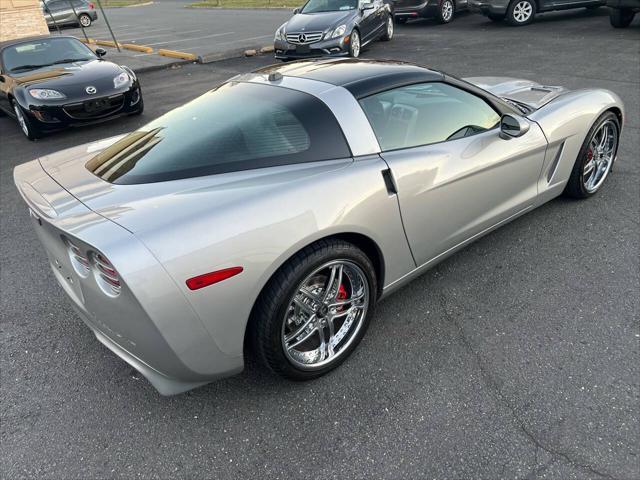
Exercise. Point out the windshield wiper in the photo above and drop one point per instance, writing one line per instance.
(29, 67)
(69, 60)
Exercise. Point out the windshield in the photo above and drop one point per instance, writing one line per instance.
(315, 6)
(43, 53)
(238, 126)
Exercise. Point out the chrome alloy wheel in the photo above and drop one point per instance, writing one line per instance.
(447, 10)
(325, 314)
(600, 156)
(390, 27)
(85, 20)
(355, 44)
(522, 11)
(20, 118)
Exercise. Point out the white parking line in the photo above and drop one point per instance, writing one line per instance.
(190, 39)
(176, 34)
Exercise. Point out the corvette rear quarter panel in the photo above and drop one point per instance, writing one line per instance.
(565, 122)
(261, 231)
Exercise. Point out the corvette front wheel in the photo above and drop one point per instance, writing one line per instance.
(595, 158)
(315, 310)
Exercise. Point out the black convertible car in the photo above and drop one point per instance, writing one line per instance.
(48, 83)
(338, 28)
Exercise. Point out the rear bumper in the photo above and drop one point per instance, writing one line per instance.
(486, 7)
(150, 323)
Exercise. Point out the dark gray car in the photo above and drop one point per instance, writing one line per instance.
(69, 12)
(522, 12)
(337, 28)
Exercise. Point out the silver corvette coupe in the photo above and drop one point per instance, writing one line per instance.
(272, 212)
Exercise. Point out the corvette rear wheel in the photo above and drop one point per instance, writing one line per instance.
(521, 12)
(596, 157)
(315, 310)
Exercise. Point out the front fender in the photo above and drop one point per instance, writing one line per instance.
(565, 121)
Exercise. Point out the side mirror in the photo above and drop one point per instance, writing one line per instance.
(296, 11)
(101, 52)
(367, 6)
(513, 126)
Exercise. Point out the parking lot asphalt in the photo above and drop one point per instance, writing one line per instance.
(516, 358)
(204, 32)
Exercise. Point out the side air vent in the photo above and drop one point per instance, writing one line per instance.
(556, 161)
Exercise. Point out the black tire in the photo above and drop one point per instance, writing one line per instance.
(446, 11)
(495, 17)
(575, 186)
(352, 52)
(268, 315)
(84, 20)
(28, 128)
(388, 26)
(513, 16)
(621, 17)
(401, 20)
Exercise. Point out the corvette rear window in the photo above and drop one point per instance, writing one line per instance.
(238, 126)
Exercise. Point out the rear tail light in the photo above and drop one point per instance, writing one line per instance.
(106, 275)
(92, 6)
(79, 260)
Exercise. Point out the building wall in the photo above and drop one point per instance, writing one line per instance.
(21, 18)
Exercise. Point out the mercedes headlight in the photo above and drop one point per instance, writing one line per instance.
(121, 79)
(280, 33)
(338, 32)
(46, 94)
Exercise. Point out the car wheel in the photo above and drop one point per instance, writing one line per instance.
(521, 12)
(401, 20)
(596, 157)
(621, 17)
(354, 44)
(388, 34)
(495, 18)
(84, 20)
(314, 311)
(24, 122)
(446, 11)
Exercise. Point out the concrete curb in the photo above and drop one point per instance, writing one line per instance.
(137, 5)
(235, 53)
(177, 54)
(137, 48)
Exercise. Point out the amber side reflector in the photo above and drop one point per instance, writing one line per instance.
(214, 277)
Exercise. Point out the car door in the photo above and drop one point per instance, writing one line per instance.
(455, 175)
(367, 22)
(60, 11)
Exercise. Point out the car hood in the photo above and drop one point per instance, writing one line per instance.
(143, 208)
(527, 92)
(60, 77)
(317, 22)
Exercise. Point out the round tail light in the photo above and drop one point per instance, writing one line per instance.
(106, 275)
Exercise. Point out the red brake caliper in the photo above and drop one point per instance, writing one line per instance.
(342, 294)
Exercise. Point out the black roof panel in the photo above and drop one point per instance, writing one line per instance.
(360, 77)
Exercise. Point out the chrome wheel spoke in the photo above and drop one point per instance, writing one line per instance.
(589, 167)
(600, 156)
(325, 314)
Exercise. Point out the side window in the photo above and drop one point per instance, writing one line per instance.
(55, 6)
(426, 113)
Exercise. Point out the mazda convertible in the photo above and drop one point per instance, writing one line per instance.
(273, 212)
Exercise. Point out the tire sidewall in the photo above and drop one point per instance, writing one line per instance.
(33, 132)
(511, 19)
(351, 53)
(385, 37)
(82, 16)
(278, 360)
(577, 189)
(441, 18)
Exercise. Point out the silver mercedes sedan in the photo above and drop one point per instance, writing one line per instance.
(275, 210)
